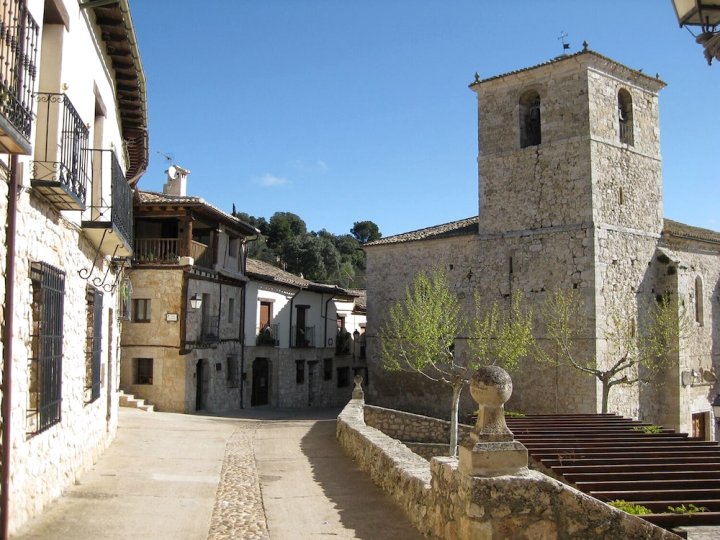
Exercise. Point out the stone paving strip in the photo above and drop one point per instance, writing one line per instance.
(238, 510)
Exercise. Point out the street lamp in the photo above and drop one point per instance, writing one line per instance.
(196, 301)
(706, 15)
(716, 407)
(356, 337)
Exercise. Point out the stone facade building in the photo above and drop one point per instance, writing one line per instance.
(570, 197)
(303, 340)
(182, 342)
(73, 143)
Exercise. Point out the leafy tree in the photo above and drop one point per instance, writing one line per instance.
(365, 231)
(420, 332)
(284, 226)
(633, 355)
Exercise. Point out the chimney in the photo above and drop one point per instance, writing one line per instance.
(176, 181)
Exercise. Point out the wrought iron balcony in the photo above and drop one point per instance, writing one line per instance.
(60, 169)
(267, 336)
(18, 52)
(303, 337)
(109, 219)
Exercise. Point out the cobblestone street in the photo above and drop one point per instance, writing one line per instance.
(262, 474)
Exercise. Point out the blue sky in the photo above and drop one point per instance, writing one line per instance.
(342, 111)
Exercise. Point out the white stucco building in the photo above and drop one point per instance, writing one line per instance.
(303, 342)
(73, 137)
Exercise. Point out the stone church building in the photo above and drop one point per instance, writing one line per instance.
(570, 197)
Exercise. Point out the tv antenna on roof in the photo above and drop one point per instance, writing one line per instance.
(563, 35)
(168, 157)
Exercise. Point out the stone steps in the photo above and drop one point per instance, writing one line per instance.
(130, 401)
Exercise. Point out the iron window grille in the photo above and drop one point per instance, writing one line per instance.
(45, 392)
(93, 347)
(19, 35)
(143, 371)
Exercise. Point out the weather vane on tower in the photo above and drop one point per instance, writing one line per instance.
(563, 35)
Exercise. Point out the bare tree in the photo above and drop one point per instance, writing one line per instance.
(635, 353)
(420, 332)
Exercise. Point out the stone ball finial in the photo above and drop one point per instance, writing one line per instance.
(357, 392)
(491, 387)
(491, 450)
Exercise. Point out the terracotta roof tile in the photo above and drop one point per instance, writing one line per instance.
(681, 230)
(461, 227)
(153, 197)
(267, 272)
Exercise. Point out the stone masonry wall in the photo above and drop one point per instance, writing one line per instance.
(43, 464)
(541, 262)
(443, 503)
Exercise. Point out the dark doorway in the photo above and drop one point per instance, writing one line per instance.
(312, 382)
(699, 422)
(300, 330)
(201, 376)
(260, 382)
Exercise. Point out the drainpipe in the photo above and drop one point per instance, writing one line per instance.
(243, 297)
(326, 317)
(6, 407)
(292, 300)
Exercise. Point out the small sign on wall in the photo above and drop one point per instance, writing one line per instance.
(171, 317)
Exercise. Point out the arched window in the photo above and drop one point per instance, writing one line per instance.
(530, 119)
(625, 117)
(699, 301)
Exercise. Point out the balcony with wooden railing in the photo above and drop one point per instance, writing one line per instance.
(19, 36)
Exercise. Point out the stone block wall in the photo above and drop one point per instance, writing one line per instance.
(443, 503)
(43, 464)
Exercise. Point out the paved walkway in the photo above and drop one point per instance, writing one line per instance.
(268, 474)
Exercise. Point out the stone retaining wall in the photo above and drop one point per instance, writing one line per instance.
(443, 503)
(406, 426)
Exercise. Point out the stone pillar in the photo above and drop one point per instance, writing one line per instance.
(491, 449)
(357, 392)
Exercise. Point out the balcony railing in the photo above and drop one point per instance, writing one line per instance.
(267, 335)
(210, 329)
(156, 250)
(60, 169)
(303, 336)
(18, 52)
(202, 254)
(110, 223)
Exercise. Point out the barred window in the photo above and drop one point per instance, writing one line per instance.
(343, 377)
(143, 371)
(93, 343)
(45, 370)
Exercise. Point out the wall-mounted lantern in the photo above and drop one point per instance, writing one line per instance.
(704, 14)
(716, 407)
(196, 301)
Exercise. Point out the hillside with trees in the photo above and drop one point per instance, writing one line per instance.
(320, 256)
